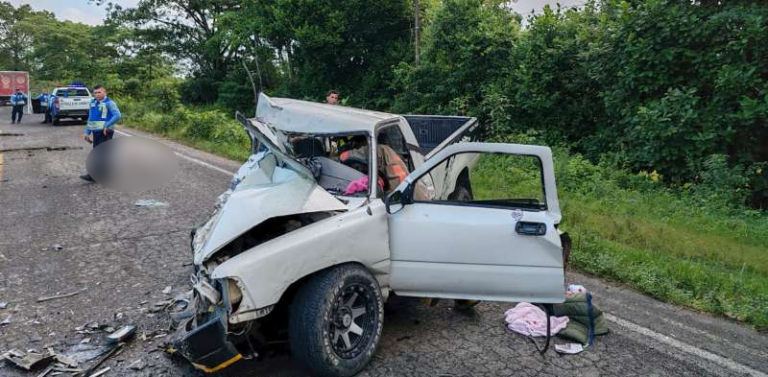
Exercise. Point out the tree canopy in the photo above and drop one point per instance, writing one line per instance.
(680, 88)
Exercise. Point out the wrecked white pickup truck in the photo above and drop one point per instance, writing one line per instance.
(305, 249)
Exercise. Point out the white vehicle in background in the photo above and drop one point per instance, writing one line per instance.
(71, 102)
(304, 249)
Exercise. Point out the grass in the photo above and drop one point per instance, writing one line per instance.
(673, 246)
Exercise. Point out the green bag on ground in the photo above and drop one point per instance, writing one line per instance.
(576, 308)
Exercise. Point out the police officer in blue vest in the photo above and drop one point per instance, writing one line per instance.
(18, 101)
(43, 98)
(102, 117)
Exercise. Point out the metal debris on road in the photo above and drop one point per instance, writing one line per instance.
(167, 290)
(122, 334)
(48, 298)
(112, 351)
(28, 361)
(3, 305)
(54, 247)
(569, 348)
(151, 203)
(6, 321)
(81, 353)
(138, 365)
(99, 373)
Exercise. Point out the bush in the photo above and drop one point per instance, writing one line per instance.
(164, 95)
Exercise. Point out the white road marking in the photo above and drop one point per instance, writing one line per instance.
(687, 348)
(188, 158)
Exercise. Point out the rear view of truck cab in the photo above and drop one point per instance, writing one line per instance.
(304, 248)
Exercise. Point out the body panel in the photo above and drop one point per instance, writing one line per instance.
(266, 271)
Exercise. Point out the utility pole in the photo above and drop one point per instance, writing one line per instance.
(416, 30)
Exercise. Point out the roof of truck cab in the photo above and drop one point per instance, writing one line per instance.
(292, 115)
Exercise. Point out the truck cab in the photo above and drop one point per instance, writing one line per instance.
(71, 102)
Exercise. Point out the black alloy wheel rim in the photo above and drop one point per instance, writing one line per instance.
(352, 320)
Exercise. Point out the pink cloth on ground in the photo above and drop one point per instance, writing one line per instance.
(530, 320)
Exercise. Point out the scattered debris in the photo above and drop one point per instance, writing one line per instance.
(29, 361)
(160, 305)
(99, 373)
(112, 351)
(150, 203)
(118, 316)
(167, 290)
(6, 321)
(3, 305)
(10, 134)
(569, 348)
(48, 298)
(138, 365)
(403, 338)
(46, 371)
(85, 341)
(82, 353)
(54, 247)
(122, 334)
(64, 360)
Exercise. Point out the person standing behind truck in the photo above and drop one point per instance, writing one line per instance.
(102, 116)
(18, 101)
(44, 97)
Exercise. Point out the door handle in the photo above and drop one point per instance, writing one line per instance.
(526, 228)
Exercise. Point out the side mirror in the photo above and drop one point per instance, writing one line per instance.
(394, 202)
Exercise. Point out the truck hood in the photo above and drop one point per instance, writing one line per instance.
(270, 184)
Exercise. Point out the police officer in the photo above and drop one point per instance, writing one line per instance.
(18, 101)
(102, 117)
(44, 106)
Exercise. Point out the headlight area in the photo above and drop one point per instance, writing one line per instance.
(207, 339)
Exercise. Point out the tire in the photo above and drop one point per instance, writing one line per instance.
(56, 121)
(322, 317)
(461, 194)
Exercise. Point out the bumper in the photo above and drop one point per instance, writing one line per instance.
(206, 346)
(71, 113)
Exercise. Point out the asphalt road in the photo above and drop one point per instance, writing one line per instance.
(119, 257)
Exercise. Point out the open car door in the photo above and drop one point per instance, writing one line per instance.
(496, 241)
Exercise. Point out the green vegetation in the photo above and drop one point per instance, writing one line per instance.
(658, 108)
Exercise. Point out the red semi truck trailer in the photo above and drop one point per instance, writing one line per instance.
(10, 81)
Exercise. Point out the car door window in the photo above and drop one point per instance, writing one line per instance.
(488, 179)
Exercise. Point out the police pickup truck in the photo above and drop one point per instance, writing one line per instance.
(69, 102)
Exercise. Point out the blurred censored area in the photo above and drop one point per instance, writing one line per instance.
(131, 164)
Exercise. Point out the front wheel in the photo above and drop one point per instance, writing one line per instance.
(336, 320)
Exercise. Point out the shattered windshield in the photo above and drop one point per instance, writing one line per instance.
(339, 162)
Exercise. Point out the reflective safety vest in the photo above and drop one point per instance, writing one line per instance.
(43, 100)
(18, 99)
(98, 114)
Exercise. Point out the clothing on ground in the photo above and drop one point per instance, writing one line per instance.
(530, 320)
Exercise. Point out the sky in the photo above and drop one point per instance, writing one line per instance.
(73, 10)
(83, 11)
